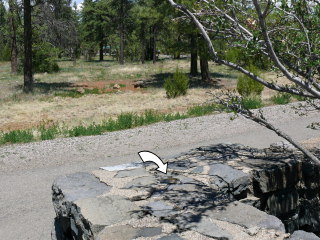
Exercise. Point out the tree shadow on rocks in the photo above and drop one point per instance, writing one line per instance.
(184, 204)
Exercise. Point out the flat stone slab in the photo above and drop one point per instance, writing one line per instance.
(302, 235)
(245, 215)
(171, 237)
(131, 173)
(224, 192)
(139, 182)
(128, 232)
(207, 228)
(159, 208)
(79, 186)
(228, 178)
(107, 210)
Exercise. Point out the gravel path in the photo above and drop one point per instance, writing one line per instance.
(28, 170)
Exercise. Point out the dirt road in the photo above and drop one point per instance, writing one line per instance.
(27, 171)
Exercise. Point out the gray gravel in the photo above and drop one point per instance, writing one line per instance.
(28, 170)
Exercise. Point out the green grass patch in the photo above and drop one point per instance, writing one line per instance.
(299, 98)
(17, 136)
(123, 121)
(69, 93)
(91, 91)
(204, 109)
(48, 133)
(92, 129)
(77, 94)
(281, 98)
(252, 102)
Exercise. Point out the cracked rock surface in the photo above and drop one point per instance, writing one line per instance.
(216, 192)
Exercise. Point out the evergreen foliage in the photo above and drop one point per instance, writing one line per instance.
(4, 37)
(44, 58)
(246, 86)
(177, 85)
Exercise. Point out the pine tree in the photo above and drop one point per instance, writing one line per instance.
(122, 19)
(13, 35)
(27, 70)
(4, 36)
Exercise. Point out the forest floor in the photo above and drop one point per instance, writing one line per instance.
(84, 93)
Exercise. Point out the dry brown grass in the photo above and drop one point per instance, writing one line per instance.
(93, 108)
(20, 111)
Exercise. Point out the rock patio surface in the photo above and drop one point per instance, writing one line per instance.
(216, 192)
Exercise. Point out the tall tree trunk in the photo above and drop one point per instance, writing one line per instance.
(27, 71)
(101, 51)
(177, 52)
(177, 55)
(143, 42)
(74, 56)
(194, 55)
(121, 54)
(149, 47)
(154, 58)
(205, 74)
(14, 51)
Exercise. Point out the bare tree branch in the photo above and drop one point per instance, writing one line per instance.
(274, 57)
(235, 105)
(309, 90)
(234, 65)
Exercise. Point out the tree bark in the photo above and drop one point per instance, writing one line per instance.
(214, 55)
(177, 52)
(270, 51)
(194, 55)
(13, 36)
(101, 51)
(154, 53)
(121, 54)
(205, 74)
(143, 42)
(150, 45)
(27, 71)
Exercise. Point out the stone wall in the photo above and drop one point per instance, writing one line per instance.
(216, 192)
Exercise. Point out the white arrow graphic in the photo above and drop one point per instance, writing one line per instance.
(151, 157)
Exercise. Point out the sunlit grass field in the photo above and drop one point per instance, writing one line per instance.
(80, 99)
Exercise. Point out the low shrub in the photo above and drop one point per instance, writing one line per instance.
(44, 58)
(5, 54)
(246, 86)
(177, 85)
